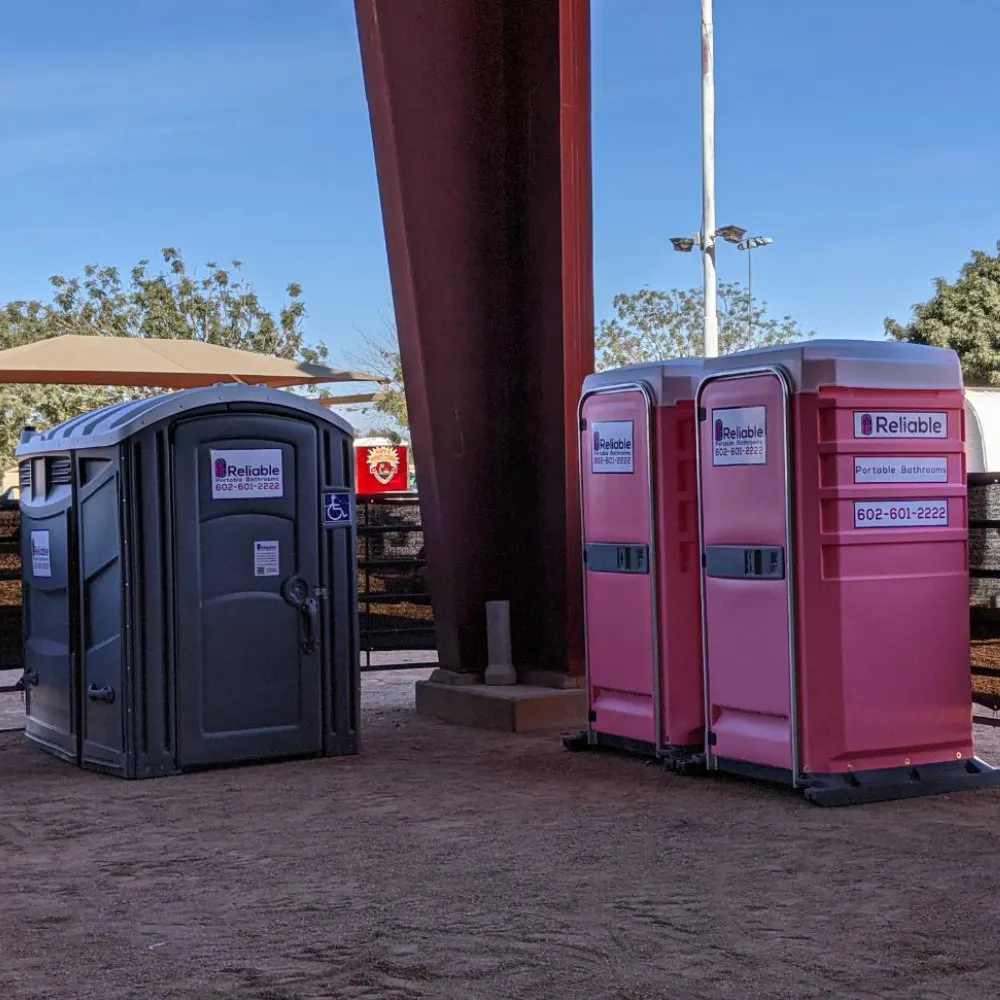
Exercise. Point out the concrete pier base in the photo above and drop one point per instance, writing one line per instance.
(510, 708)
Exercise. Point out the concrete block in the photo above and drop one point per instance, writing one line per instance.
(501, 667)
(515, 708)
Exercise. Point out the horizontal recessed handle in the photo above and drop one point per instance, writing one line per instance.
(609, 557)
(745, 562)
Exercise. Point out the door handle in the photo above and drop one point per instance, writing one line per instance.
(295, 591)
(30, 678)
(106, 693)
(310, 615)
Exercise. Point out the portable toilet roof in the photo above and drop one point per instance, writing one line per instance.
(862, 364)
(669, 380)
(113, 424)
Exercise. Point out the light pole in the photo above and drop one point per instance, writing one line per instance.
(749, 245)
(685, 244)
(711, 330)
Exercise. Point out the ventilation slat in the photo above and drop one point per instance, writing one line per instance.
(60, 471)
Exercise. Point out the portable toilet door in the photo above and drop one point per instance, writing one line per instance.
(748, 591)
(620, 580)
(49, 605)
(247, 523)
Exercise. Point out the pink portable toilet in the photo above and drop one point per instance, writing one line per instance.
(835, 584)
(641, 573)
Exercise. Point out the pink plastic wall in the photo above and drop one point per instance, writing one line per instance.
(881, 605)
(883, 611)
(679, 567)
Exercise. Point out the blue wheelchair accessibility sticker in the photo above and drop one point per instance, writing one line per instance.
(337, 507)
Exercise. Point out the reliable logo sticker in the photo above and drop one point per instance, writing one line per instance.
(739, 435)
(613, 447)
(247, 474)
(872, 424)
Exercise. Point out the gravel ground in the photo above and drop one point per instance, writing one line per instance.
(458, 864)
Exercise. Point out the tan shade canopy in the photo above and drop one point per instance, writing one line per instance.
(352, 400)
(164, 364)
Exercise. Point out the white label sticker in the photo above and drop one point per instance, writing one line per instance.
(247, 474)
(872, 424)
(613, 447)
(900, 470)
(266, 559)
(41, 554)
(900, 513)
(739, 435)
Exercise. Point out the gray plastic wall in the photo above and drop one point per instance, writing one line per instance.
(115, 640)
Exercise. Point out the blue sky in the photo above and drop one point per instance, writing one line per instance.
(858, 134)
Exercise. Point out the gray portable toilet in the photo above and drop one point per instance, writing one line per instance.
(190, 592)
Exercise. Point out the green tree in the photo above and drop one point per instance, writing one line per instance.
(963, 315)
(652, 325)
(649, 325)
(219, 306)
(380, 355)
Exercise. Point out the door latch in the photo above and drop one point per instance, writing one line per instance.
(310, 616)
(105, 694)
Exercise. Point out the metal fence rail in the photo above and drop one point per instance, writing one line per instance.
(394, 600)
(984, 591)
(10, 590)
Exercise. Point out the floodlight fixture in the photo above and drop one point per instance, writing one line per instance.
(731, 234)
(684, 244)
(752, 242)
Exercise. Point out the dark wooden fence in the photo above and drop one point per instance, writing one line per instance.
(10, 588)
(393, 597)
(394, 600)
(984, 590)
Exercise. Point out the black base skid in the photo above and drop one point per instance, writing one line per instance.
(682, 760)
(847, 789)
(900, 782)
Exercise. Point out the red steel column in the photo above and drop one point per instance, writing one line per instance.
(480, 115)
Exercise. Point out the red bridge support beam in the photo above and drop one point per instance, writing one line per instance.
(480, 113)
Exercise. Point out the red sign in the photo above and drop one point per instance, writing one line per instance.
(382, 468)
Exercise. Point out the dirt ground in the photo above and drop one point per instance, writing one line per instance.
(457, 864)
